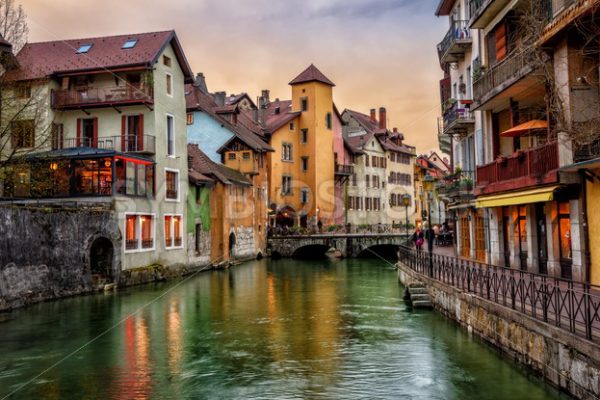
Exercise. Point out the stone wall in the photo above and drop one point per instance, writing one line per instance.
(44, 251)
(200, 257)
(245, 245)
(564, 360)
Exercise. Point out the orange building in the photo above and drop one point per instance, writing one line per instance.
(301, 132)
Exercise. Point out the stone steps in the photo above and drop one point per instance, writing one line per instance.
(416, 293)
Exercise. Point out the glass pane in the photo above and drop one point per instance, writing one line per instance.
(564, 208)
(564, 229)
(141, 180)
(131, 232)
(147, 234)
(177, 230)
(120, 176)
(168, 237)
(130, 178)
(105, 178)
(150, 180)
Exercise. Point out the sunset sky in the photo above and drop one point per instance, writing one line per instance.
(378, 52)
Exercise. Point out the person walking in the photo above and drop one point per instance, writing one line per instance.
(430, 236)
(418, 238)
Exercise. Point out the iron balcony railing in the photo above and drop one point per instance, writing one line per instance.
(457, 114)
(514, 67)
(533, 162)
(65, 98)
(587, 151)
(127, 144)
(456, 184)
(455, 40)
(555, 7)
(342, 169)
(569, 305)
(475, 6)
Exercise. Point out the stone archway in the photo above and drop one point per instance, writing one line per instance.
(101, 261)
(232, 241)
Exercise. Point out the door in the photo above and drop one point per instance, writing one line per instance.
(522, 236)
(88, 134)
(465, 235)
(479, 238)
(505, 235)
(542, 241)
(564, 232)
(133, 138)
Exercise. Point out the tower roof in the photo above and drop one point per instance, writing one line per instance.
(311, 74)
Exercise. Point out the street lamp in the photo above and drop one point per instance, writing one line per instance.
(428, 183)
(406, 202)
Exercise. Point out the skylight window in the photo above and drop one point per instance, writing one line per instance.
(84, 48)
(130, 44)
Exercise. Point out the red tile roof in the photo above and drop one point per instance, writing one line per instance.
(44, 59)
(311, 74)
(277, 119)
(200, 163)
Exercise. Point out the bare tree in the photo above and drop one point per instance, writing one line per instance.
(13, 24)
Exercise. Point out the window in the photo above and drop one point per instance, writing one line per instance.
(23, 91)
(190, 118)
(167, 61)
(354, 182)
(84, 48)
(169, 82)
(139, 232)
(286, 152)
(393, 157)
(366, 160)
(368, 180)
(286, 185)
(170, 136)
(231, 156)
(304, 136)
(134, 179)
(198, 243)
(172, 181)
(304, 195)
(328, 121)
(304, 164)
(57, 136)
(23, 133)
(304, 104)
(173, 237)
(292, 126)
(246, 155)
(129, 44)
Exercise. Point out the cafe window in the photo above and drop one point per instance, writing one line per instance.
(173, 235)
(134, 179)
(172, 180)
(139, 232)
(564, 229)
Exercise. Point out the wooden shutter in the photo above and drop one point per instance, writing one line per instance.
(123, 133)
(500, 34)
(79, 132)
(140, 138)
(95, 134)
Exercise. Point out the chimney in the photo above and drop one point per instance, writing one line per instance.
(382, 118)
(220, 98)
(200, 82)
(264, 101)
(373, 115)
(255, 115)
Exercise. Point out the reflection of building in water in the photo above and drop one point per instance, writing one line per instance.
(135, 379)
(174, 337)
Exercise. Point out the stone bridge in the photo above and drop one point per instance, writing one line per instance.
(345, 245)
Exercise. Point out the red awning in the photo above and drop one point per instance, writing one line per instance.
(525, 128)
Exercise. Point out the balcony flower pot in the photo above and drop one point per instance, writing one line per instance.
(500, 160)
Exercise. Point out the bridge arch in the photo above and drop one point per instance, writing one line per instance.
(311, 251)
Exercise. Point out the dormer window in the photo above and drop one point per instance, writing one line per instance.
(130, 44)
(84, 48)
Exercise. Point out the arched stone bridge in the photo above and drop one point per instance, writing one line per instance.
(346, 245)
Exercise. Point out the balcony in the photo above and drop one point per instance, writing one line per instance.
(71, 99)
(587, 151)
(562, 14)
(456, 42)
(484, 11)
(457, 119)
(457, 187)
(445, 143)
(512, 77)
(344, 170)
(531, 167)
(125, 144)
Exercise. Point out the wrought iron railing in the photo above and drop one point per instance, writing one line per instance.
(476, 5)
(458, 32)
(515, 66)
(587, 151)
(455, 114)
(533, 162)
(62, 98)
(127, 143)
(573, 306)
(457, 183)
(342, 169)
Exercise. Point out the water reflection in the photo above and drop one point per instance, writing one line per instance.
(269, 329)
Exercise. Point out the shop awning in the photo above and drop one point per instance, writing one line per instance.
(523, 197)
(589, 164)
(525, 128)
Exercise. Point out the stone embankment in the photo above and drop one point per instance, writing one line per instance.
(567, 361)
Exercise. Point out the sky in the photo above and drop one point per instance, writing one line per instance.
(377, 52)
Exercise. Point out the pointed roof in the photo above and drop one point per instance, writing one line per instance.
(202, 166)
(311, 74)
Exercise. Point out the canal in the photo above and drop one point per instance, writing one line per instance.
(265, 329)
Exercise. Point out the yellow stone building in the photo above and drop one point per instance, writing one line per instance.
(301, 131)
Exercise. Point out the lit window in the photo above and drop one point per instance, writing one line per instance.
(173, 237)
(130, 44)
(139, 232)
(131, 241)
(84, 48)
(190, 118)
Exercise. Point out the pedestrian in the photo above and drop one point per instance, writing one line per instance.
(430, 236)
(320, 226)
(418, 238)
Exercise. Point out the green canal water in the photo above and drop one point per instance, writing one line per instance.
(265, 329)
